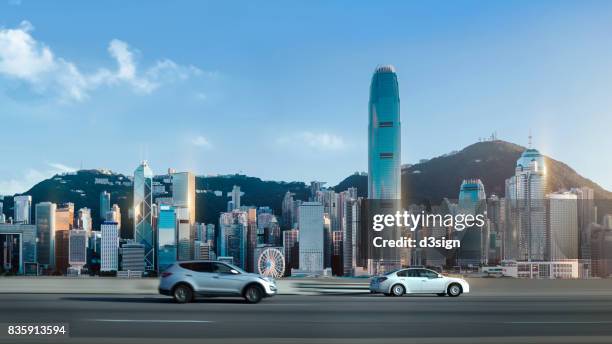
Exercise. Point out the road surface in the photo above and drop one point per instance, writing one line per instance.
(352, 318)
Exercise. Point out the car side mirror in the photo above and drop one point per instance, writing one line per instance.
(234, 272)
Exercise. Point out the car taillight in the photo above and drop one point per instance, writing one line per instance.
(166, 274)
(381, 279)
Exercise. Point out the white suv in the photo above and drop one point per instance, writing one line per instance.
(418, 281)
(186, 280)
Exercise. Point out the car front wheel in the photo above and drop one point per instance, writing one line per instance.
(253, 294)
(182, 294)
(454, 290)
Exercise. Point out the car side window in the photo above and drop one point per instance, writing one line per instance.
(428, 273)
(413, 273)
(222, 268)
(402, 273)
(202, 267)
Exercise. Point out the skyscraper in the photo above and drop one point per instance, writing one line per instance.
(45, 227)
(109, 259)
(84, 220)
(233, 228)
(166, 231)
(563, 225)
(526, 235)
(23, 209)
(104, 204)
(183, 193)
(235, 198)
(384, 136)
(474, 240)
(143, 219)
(77, 249)
(311, 237)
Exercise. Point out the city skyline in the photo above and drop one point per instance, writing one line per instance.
(488, 76)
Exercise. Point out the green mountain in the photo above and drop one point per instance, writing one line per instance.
(425, 183)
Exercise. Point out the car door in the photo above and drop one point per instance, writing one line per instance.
(431, 281)
(226, 279)
(202, 276)
(412, 281)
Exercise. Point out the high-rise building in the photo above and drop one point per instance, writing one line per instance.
(114, 215)
(287, 211)
(252, 231)
(563, 226)
(496, 213)
(17, 247)
(203, 251)
(474, 240)
(143, 217)
(235, 195)
(77, 250)
(384, 136)
(104, 204)
(84, 220)
(132, 257)
(233, 228)
(23, 209)
(587, 214)
(290, 249)
(526, 235)
(64, 217)
(109, 258)
(45, 227)
(183, 193)
(601, 250)
(384, 155)
(327, 241)
(311, 237)
(166, 230)
(350, 235)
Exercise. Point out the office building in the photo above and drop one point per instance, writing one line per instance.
(22, 206)
(526, 236)
(77, 250)
(114, 215)
(474, 240)
(105, 203)
(235, 195)
(167, 237)
(587, 214)
(291, 249)
(384, 136)
(45, 231)
(132, 257)
(563, 226)
(143, 217)
(109, 258)
(17, 248)
(311, 238)
(233, 228)
(183, 194)
(84, 220)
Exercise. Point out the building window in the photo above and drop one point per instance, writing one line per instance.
(386, 155)
(385, 124)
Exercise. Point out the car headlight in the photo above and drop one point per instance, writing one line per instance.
(267, 279)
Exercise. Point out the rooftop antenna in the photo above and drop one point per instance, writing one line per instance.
(530, 138)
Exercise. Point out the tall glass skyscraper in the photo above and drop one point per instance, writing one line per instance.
(384, 136)
(143, 225)
(166, 229)
(474, 240)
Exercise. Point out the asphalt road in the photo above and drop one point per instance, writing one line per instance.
(312, 319)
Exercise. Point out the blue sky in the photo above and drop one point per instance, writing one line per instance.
(279, 90)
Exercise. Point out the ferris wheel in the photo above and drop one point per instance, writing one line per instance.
(271, 263)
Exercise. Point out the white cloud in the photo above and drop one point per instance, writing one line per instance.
(319, 141)
(25, 59)
(201, 141)
(31, 177)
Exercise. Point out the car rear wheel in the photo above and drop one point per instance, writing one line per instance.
(253, 294)
(454, 290)
(398, 290)
(182, 294)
